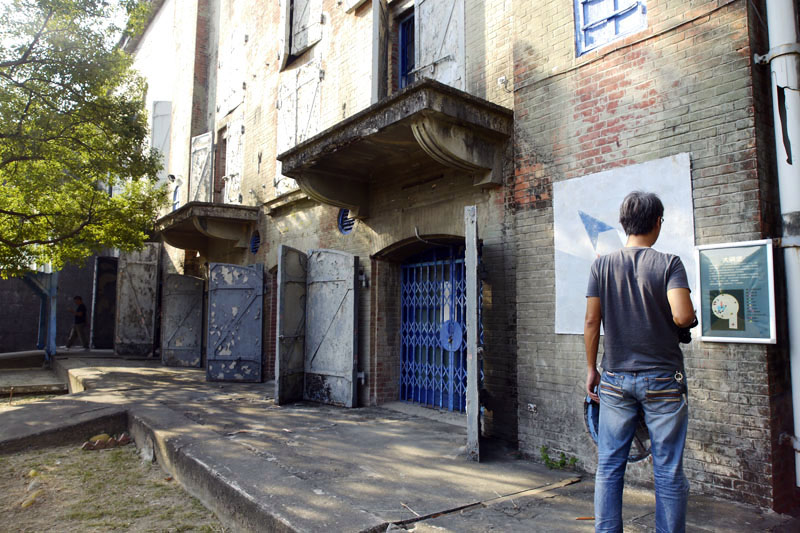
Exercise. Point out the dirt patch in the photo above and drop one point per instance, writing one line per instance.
(105, 490)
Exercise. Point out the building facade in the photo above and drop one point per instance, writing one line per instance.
(366, 127)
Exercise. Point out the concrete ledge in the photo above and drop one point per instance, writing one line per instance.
(73, 428)
(249, 491)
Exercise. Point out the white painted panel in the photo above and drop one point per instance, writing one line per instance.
(352, 5)
(306, 25)
(234, 162)
(200, 169)
(160, 134)
(586, 220)
(440, 46)
(287, 112)
(231, 72)
(309, 79)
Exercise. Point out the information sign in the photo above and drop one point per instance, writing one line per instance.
(736, 292)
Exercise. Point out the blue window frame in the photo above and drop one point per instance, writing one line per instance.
(599, 22)
(406, 51)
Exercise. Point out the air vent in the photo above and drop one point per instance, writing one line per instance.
(345, 222)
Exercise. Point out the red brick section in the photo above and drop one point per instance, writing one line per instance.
(201, 65)
(687, 84)
(385, 316)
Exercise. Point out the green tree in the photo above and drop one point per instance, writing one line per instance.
(72, 127)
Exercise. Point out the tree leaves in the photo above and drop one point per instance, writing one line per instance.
(72, 128)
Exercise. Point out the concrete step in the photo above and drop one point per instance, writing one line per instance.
(30, 381)
(29, 359)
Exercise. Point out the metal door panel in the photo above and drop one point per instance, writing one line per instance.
(472, 308)
(290, 342)
(235, 301)
(331, 328)
(182, 321)
(137, 289)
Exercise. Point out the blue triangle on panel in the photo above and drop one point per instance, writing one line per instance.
(594, 227)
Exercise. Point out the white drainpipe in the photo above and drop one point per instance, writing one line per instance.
(784, 60)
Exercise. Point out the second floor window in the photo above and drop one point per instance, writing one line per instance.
(406, 51)
(600, 22)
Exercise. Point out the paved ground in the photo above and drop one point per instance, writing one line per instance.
(309, 467)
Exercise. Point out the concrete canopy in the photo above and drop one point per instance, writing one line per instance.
(193, 225)
(425, 129)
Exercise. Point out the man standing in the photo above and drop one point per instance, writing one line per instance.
(79, 326)
(641, 297)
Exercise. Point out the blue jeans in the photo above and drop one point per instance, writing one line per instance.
(666, 413)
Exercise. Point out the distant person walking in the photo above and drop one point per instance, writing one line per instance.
(79, 325)
(641, 297)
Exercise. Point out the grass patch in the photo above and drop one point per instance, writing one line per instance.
(105, 490)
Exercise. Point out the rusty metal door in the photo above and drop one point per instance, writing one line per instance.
(291, 324)
(473, 323)
(331, 360)
(137, 290)
(182, 321)
(235, 301)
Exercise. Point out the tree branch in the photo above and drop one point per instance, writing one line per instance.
(22, 59)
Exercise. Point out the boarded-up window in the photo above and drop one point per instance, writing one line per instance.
(200, 170)
(160, 134)
(441, 41)
(298, 112)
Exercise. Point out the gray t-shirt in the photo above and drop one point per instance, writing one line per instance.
(632, 285)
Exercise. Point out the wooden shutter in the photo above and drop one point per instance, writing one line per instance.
(160, 134)
(231, 72)
(234, 162)
(200, 169)
(309, 78)
(441, 41)
(306, 25)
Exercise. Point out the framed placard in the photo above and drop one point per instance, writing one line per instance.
(736, 289)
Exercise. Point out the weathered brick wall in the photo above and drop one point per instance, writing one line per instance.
(384, 332)
(682, 85)
(489, 35)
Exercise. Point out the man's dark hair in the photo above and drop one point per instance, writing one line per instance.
(639, 212)
(77, 298)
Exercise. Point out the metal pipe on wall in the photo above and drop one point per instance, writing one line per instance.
(784, 61)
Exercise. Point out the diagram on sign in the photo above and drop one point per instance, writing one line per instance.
(726, 308)
(604, 237)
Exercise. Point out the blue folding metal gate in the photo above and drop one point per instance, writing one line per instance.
(433, 368)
